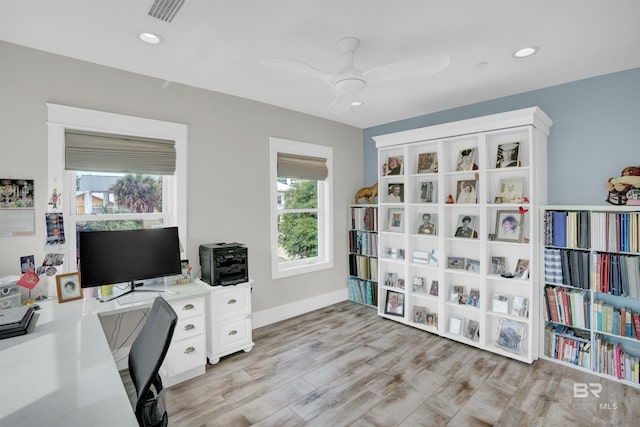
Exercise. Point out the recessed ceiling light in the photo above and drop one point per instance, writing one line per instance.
(150, 38)
(525, 51)
(356, 103)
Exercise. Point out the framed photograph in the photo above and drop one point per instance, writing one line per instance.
(68, 285)
(393, 253)
(390, 279)
(471, 330)
(522, 269)
(394, 304)
(434, 259)
(400, 283)
(509, 226)
(498, 265)
(472, 265)
(420, 314)
(466, 227)
(434, 288)
(396, 220)
(427, 223)
(455, 263)
(520, 307)
(474, 298)
(508, 155)
(432, 319)
(510, 190)
(500, 304)
(466, 191)
(395, 193)
(428, 162)
(456, 324)
(419, 285)
(511, 335)
(466, 157)
(427, 191)
(456, 293)
(394, 166)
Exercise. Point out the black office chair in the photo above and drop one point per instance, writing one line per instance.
(145, 357)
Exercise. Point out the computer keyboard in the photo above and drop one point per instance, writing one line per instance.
(136, 297)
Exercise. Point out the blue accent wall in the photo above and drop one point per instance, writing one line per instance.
(595, 132)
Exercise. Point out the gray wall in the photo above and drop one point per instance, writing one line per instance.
(228, 196)
(595, 132)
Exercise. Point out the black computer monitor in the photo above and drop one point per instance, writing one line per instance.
(111, 257)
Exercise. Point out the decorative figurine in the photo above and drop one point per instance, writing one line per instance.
(368, 193)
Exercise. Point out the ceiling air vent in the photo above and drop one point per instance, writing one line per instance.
(165, 10)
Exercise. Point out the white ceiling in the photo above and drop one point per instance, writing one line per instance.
(217, 45)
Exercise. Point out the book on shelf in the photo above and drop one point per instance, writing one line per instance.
(364, 218)
(362, 291)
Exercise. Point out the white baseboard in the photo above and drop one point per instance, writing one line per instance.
(283, 312)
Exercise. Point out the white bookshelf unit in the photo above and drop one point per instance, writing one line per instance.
(362, 239)
(438, 252)
(591, 292)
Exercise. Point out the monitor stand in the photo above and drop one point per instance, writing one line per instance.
(132, 288)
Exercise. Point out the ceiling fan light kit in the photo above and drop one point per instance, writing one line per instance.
(351, 80)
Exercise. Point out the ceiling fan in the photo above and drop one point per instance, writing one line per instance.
(350, 80)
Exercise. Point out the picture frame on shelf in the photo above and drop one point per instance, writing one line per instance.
(393, 253)
(474, 298)
(434, 259)
(522, 269)
(432, 319)
(433, 290)
(466, 191)
(68, 286)
(455, 263)
(520, 307)
(456, 292)
(427, 191)
(509, 226)
(427, 222)
(472, 329)
(394, 304)
(508, 155)
(428, 162)
(466, 158)
(390, 279)
(421, 257)
(510, 190)
(466, 227)
(500, 303)
(419, 285)
(400, 283)
(395, 193)
(472, 265)
(419, 314)
(498, 265)
(456, 324)
(394, 166)
(395, 220)
(511, 335)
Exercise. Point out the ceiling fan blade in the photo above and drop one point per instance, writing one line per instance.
(409, 69)
(341, 104)
(297, 67)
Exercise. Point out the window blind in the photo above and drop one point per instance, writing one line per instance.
(305, 167)
(91, 151)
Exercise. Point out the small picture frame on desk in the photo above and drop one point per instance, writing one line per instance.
(69, 288)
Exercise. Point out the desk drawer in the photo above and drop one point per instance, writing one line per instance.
(232, 334)
(189, 327)
(188, 307)
(184, 355)
(231, 302)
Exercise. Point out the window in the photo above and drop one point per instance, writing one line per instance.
(115, 172)
(301, 207)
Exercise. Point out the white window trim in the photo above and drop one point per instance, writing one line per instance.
(324, 260)
(60, 118)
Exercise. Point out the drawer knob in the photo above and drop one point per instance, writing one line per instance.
(188, 307)
(189, 327)
(189, 350)
(232, 301)
(233, 332)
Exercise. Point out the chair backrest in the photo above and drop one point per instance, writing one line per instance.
(146, 356)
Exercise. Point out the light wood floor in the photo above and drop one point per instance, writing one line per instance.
(345, 366)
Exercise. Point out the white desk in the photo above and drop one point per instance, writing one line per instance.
(62, 373)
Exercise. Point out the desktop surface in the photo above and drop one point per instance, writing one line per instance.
(63, 373)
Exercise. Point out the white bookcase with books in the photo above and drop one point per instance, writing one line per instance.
(363, 254)
(458, 225)
(591, 291)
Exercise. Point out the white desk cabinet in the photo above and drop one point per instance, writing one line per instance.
(228, 320)
(186, 357)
